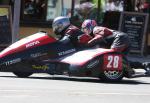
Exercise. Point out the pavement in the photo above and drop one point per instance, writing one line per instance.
(44, 88)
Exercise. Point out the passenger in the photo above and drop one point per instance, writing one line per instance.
(116, 40)
(68, 32)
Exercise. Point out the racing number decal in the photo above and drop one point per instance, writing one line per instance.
(112, 62)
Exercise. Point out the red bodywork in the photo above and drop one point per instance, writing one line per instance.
(35, 40)
(40, 53)
(81, 57)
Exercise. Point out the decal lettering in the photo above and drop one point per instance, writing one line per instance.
(13, 61)
(37, 55)
(112, 62)
(66, 52)
(40, 67)
(92, 64)
(32, 44)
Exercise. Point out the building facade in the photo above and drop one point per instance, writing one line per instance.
(37, 15)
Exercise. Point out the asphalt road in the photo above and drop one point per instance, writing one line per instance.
(42, 88)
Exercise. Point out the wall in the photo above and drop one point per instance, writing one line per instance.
(26, 31)
(149, 39)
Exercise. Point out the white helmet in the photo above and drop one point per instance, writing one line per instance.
(60, 24)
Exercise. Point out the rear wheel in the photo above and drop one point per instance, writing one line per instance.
(23, 74)
(111, 76)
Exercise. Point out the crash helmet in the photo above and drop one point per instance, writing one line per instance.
(60, 24)
(88, 26)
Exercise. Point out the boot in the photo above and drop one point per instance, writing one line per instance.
(147, 68)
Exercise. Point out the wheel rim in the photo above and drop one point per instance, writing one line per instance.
(113, 74)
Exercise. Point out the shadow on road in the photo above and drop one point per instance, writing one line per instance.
(80, 79)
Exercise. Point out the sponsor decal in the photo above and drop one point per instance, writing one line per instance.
(66, 52)
(112, 62)
(93, 64)
(40, 67)
(13, 61)
(32, 44)
(37, 55)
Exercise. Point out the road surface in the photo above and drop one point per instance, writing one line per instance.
(43, 88)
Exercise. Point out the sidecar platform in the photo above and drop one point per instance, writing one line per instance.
(81, 57)
(140, 62)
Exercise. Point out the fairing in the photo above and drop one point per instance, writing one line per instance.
(81, 57)
(32, 41)
(41, 53)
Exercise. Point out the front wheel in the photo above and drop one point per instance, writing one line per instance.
(23, 74)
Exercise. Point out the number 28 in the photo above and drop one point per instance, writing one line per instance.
(113, 61)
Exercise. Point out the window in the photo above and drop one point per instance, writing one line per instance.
(113, 5)
(33, 10)
(43, 11)
(5, 26)
(58, 8)
(85, 9)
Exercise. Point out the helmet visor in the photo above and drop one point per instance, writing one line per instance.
(57, 27)
(86, 30)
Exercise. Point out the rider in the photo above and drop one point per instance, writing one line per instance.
(68, 32)
(118, 41)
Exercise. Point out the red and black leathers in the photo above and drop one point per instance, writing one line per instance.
(118, 41)
(75, 36)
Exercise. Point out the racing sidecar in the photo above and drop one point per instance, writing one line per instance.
(40, 53)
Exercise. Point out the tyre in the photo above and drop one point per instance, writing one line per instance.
(111, 76)
(23, 74)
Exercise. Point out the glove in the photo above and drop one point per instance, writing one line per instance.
(95, 40)
(84, 39)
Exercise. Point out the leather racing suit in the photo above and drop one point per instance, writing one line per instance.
(75, 36)
(111, 39)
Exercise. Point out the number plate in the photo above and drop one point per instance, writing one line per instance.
(112, 62)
